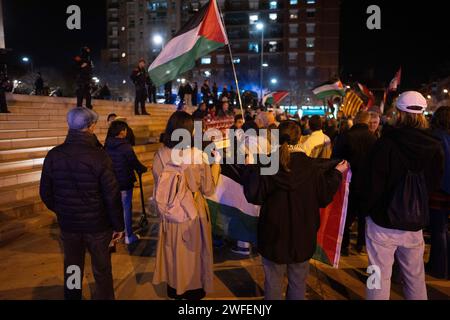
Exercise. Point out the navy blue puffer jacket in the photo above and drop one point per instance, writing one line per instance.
(124, 161)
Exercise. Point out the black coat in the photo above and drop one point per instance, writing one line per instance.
(140, 78)
(78, 184)
(124, 161)
(84, 72)
(398, 151)
(290, 202)
(355, 146)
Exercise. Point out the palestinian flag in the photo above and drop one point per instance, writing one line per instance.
(202, 34)
(234, 218)
(366, 95)
(231, 215)
(395, 83)
(352, 104)
(329, 89)
(275, 97)
(332, 225)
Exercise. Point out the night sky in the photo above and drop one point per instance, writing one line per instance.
(412, 36)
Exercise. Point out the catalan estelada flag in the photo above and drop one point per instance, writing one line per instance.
(352, 104)
(202, 34)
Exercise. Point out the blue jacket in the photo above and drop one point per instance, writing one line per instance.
(124, 161)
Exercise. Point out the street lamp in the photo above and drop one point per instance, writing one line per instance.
(445, 91)
(158, 40)
(260, 27)
(274, 81)
(28, 60)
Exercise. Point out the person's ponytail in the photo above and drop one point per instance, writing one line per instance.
(285, 157)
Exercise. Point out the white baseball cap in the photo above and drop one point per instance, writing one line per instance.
(412, 102)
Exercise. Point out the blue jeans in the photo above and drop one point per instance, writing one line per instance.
(274, 278)
(127, 203)
(439, 264)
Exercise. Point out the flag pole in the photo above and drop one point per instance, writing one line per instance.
(232, 63)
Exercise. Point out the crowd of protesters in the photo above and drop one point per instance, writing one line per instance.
(400, 186)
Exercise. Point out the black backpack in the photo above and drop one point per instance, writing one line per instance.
(408, 210)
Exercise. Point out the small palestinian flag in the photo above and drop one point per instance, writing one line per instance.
(275, 97)
(352, 104)
(395, 83)
(366, 95)
(327, 90)
(201, 35)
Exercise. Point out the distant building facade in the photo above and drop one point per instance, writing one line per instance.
(300, 49)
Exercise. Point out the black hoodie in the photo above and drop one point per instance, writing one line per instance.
(290, 203)
(398, 151)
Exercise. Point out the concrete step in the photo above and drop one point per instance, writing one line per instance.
(32, 158)
(38, 124)
(11, 144)
(19, 192)
(14, 228)
(20, 165)
(36, 133)
(15, 177)
(19, 209)
(21, 116)
(25, 153)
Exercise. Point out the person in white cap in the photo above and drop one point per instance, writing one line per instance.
(405, 165)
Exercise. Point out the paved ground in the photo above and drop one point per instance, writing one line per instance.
(31, 268)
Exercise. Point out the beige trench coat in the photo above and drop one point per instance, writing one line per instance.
(184, 257)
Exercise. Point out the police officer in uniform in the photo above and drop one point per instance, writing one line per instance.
(140, 78)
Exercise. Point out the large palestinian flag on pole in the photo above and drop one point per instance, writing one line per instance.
(202, 34)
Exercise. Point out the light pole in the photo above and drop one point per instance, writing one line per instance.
(260, 27)
(158, 40)
(28, 60)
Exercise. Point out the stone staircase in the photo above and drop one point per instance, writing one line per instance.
(36, 125)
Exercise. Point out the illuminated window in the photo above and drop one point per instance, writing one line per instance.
(273, 5)
(293, 14)
(273, 16)
(273, 46)
(293, 2)
(253, 47)
(206, 60)
(310, 1)
(310, 42)
(253, 18)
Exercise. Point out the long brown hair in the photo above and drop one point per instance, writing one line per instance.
(412, 120)
(290, 135)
